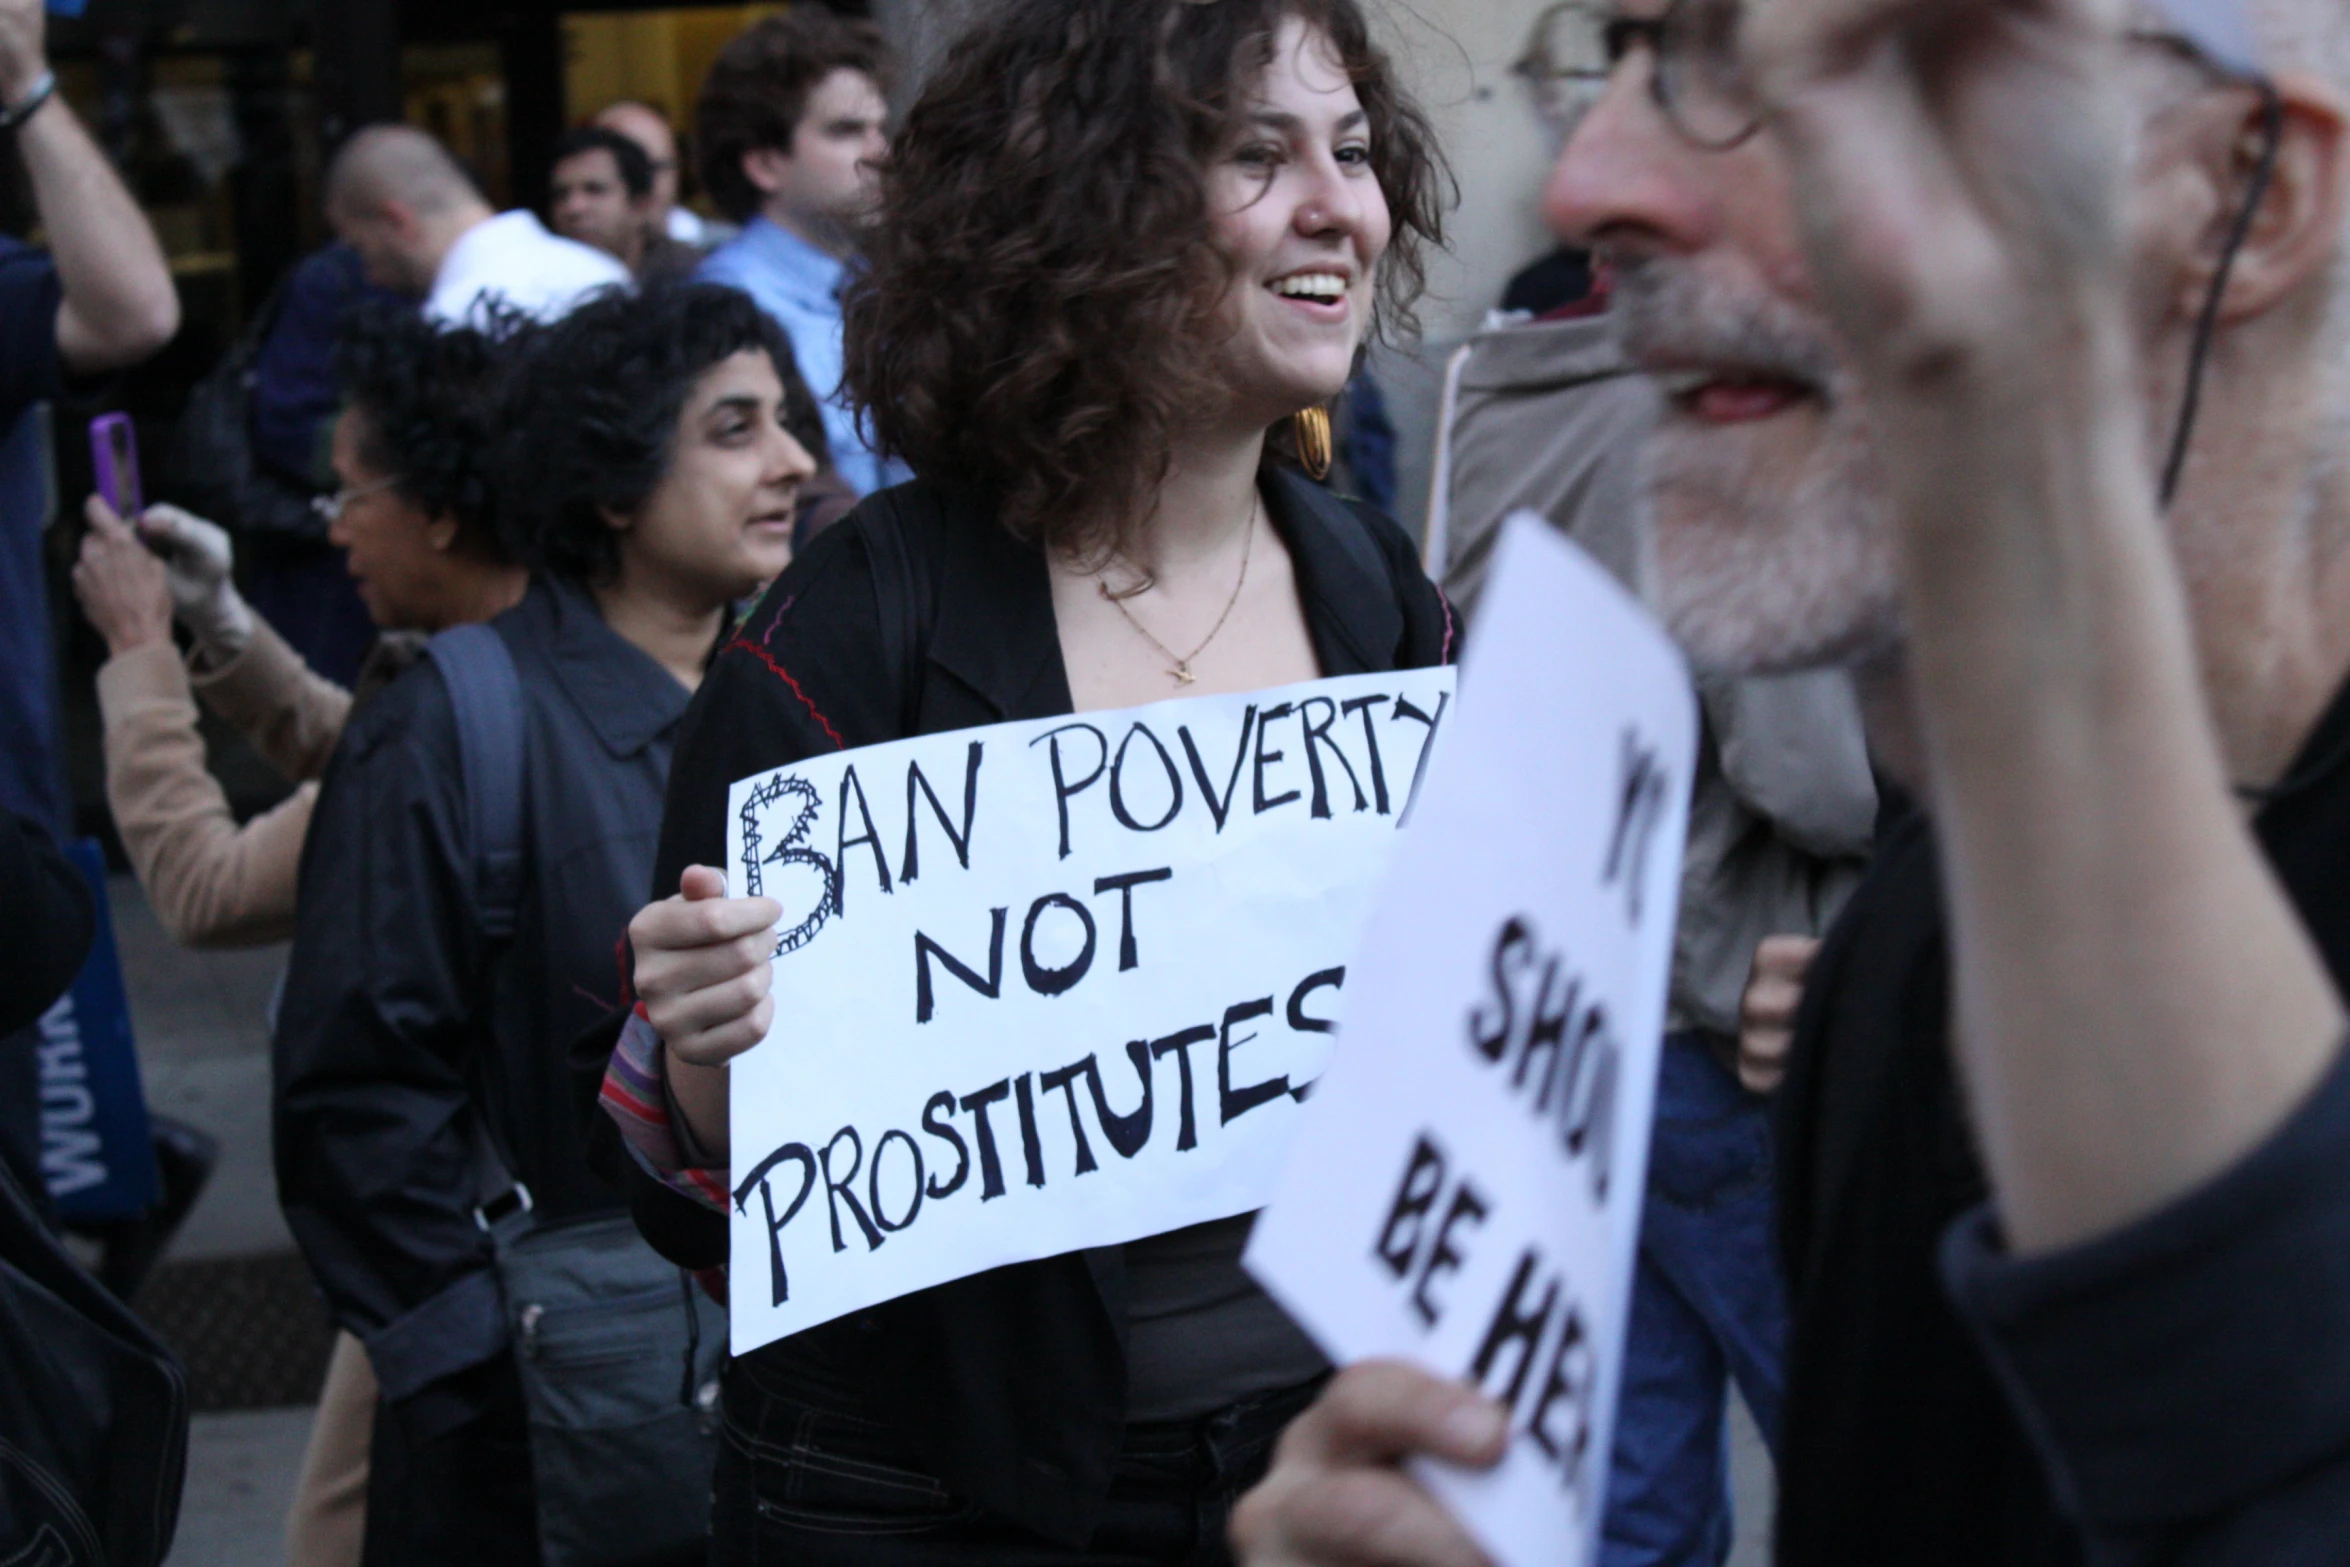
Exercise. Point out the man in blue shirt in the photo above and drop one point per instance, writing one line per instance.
(790, 129)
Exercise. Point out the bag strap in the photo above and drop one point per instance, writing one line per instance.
(485, 695)
(485, 691)
(899, 589)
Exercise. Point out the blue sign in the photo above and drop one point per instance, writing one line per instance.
(97, 1153)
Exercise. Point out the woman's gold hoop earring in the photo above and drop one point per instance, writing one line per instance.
(1313, 440)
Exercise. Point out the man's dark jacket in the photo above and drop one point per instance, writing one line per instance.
(1010, 1385)
(1897, 1443)
(401, 1021)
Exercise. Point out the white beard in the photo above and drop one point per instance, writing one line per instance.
(1755, 577)
(1759, 565)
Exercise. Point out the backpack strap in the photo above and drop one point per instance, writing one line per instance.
(485, 690)
(900, 591)
(485, 694)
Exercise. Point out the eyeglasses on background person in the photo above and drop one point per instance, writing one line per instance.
(1696, 80)
(1577, 44)
(330, 508)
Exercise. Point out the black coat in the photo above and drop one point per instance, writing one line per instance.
(1011, 1385)
(1896, 1443)
(46, 922)
(402, 1022)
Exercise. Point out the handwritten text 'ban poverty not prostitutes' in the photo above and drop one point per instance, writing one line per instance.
(1052, 984)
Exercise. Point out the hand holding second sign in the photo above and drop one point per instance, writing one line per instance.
(703, 978)
(1337, 1494)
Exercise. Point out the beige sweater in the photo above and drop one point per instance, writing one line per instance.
(212, 882)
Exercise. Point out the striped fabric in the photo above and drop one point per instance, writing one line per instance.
(636, 1096)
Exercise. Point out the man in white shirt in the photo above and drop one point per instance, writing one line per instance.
(422, 229)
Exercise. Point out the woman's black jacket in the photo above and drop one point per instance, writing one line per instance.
(403, 1021)
(1011, 1385)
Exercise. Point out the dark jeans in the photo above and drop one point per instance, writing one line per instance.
(798, 1487)
(1708, 1304)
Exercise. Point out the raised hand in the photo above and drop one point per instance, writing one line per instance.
(703, 977)
(1960, 175)
(701, 968)
(2135, 1003)
(120, 584)
(197, 559)
(23, 47)
(1767, 1008)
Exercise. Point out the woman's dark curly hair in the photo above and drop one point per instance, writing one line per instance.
(427, 399)
(1036, 316)
(594, 409)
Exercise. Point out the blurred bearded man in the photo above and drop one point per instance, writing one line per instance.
(1925, 332)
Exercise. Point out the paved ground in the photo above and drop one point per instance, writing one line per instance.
(1751, 1486)
(204, 1051)
(204, 1056)
(240, 1473)
(201, 1021)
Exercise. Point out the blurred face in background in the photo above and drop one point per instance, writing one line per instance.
(1564, 66)
(826, 181)
(648, 130)
(1301, 218)
(402, 559)
(589, 202)
(718, 525)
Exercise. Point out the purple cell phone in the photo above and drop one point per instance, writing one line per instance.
(114, 452)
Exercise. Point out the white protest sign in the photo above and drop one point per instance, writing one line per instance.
(1049, 985)
(1465, 1191)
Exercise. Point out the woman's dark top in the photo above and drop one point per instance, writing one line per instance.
(402, 1020)
(1011, 1385)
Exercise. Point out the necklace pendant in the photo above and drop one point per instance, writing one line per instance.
(1183, 675)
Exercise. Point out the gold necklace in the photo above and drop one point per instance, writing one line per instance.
(1181, 672)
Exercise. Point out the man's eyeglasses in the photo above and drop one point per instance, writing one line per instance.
(332, 507)
(1695, 80)
(1578, 44)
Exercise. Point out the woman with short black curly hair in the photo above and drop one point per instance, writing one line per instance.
(1121, 245)
(416, 446)
(650, 482)
(592, 426)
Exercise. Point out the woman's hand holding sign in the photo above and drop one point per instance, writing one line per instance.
(703, 978)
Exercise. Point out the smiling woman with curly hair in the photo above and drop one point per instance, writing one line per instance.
(1120, 245)
(1046, 305)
